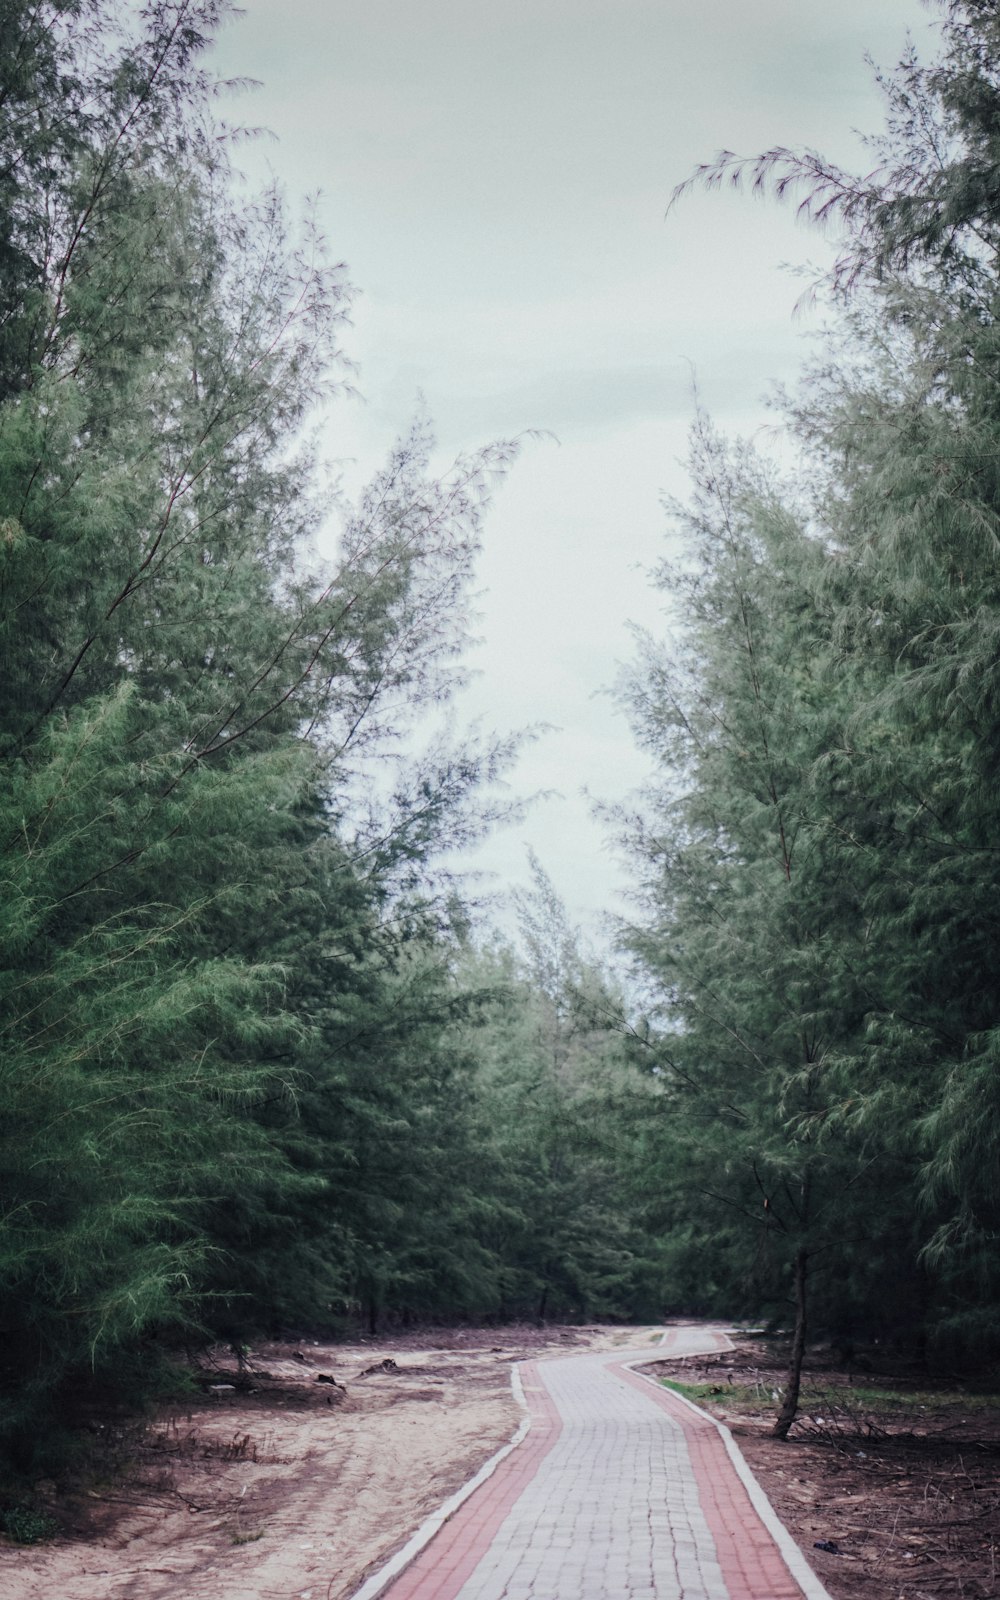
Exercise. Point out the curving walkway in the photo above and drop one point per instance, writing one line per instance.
(620, 1491)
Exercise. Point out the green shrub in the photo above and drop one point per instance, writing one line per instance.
(26, 1526)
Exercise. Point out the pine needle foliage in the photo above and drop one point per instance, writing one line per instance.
(818, 919)
(211, 888)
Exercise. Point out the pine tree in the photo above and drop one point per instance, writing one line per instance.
(754, 933)
(898, 433)
(555, 1094)
(190, 707)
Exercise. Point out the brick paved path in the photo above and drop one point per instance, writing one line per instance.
(619, 1492)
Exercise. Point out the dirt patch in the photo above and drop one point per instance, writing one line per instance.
(281, 1483)
(899, 1472)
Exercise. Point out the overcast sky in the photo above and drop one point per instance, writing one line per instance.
(496, 179)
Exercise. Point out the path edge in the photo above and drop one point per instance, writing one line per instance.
(390, 1571)
(793, 1556)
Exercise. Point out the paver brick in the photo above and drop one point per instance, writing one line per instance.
(618, 1492)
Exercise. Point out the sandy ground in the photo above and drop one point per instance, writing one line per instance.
(294, 1489)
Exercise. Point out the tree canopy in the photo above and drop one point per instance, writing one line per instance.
(260, 1070)
(253, 1074)
(819, 852)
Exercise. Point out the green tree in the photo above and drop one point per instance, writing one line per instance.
(898, 610)
(912, 437)
(191, 705)
(556, 1093)
(754, 934)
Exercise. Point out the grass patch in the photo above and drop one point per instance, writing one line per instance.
(820, 1397)
(26, 1526)
(873, 1397)
(733, 1394)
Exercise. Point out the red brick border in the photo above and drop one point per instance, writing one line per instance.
(456, 1550)
(752, 1565)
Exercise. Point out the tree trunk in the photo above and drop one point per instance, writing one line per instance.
(790, 1404)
